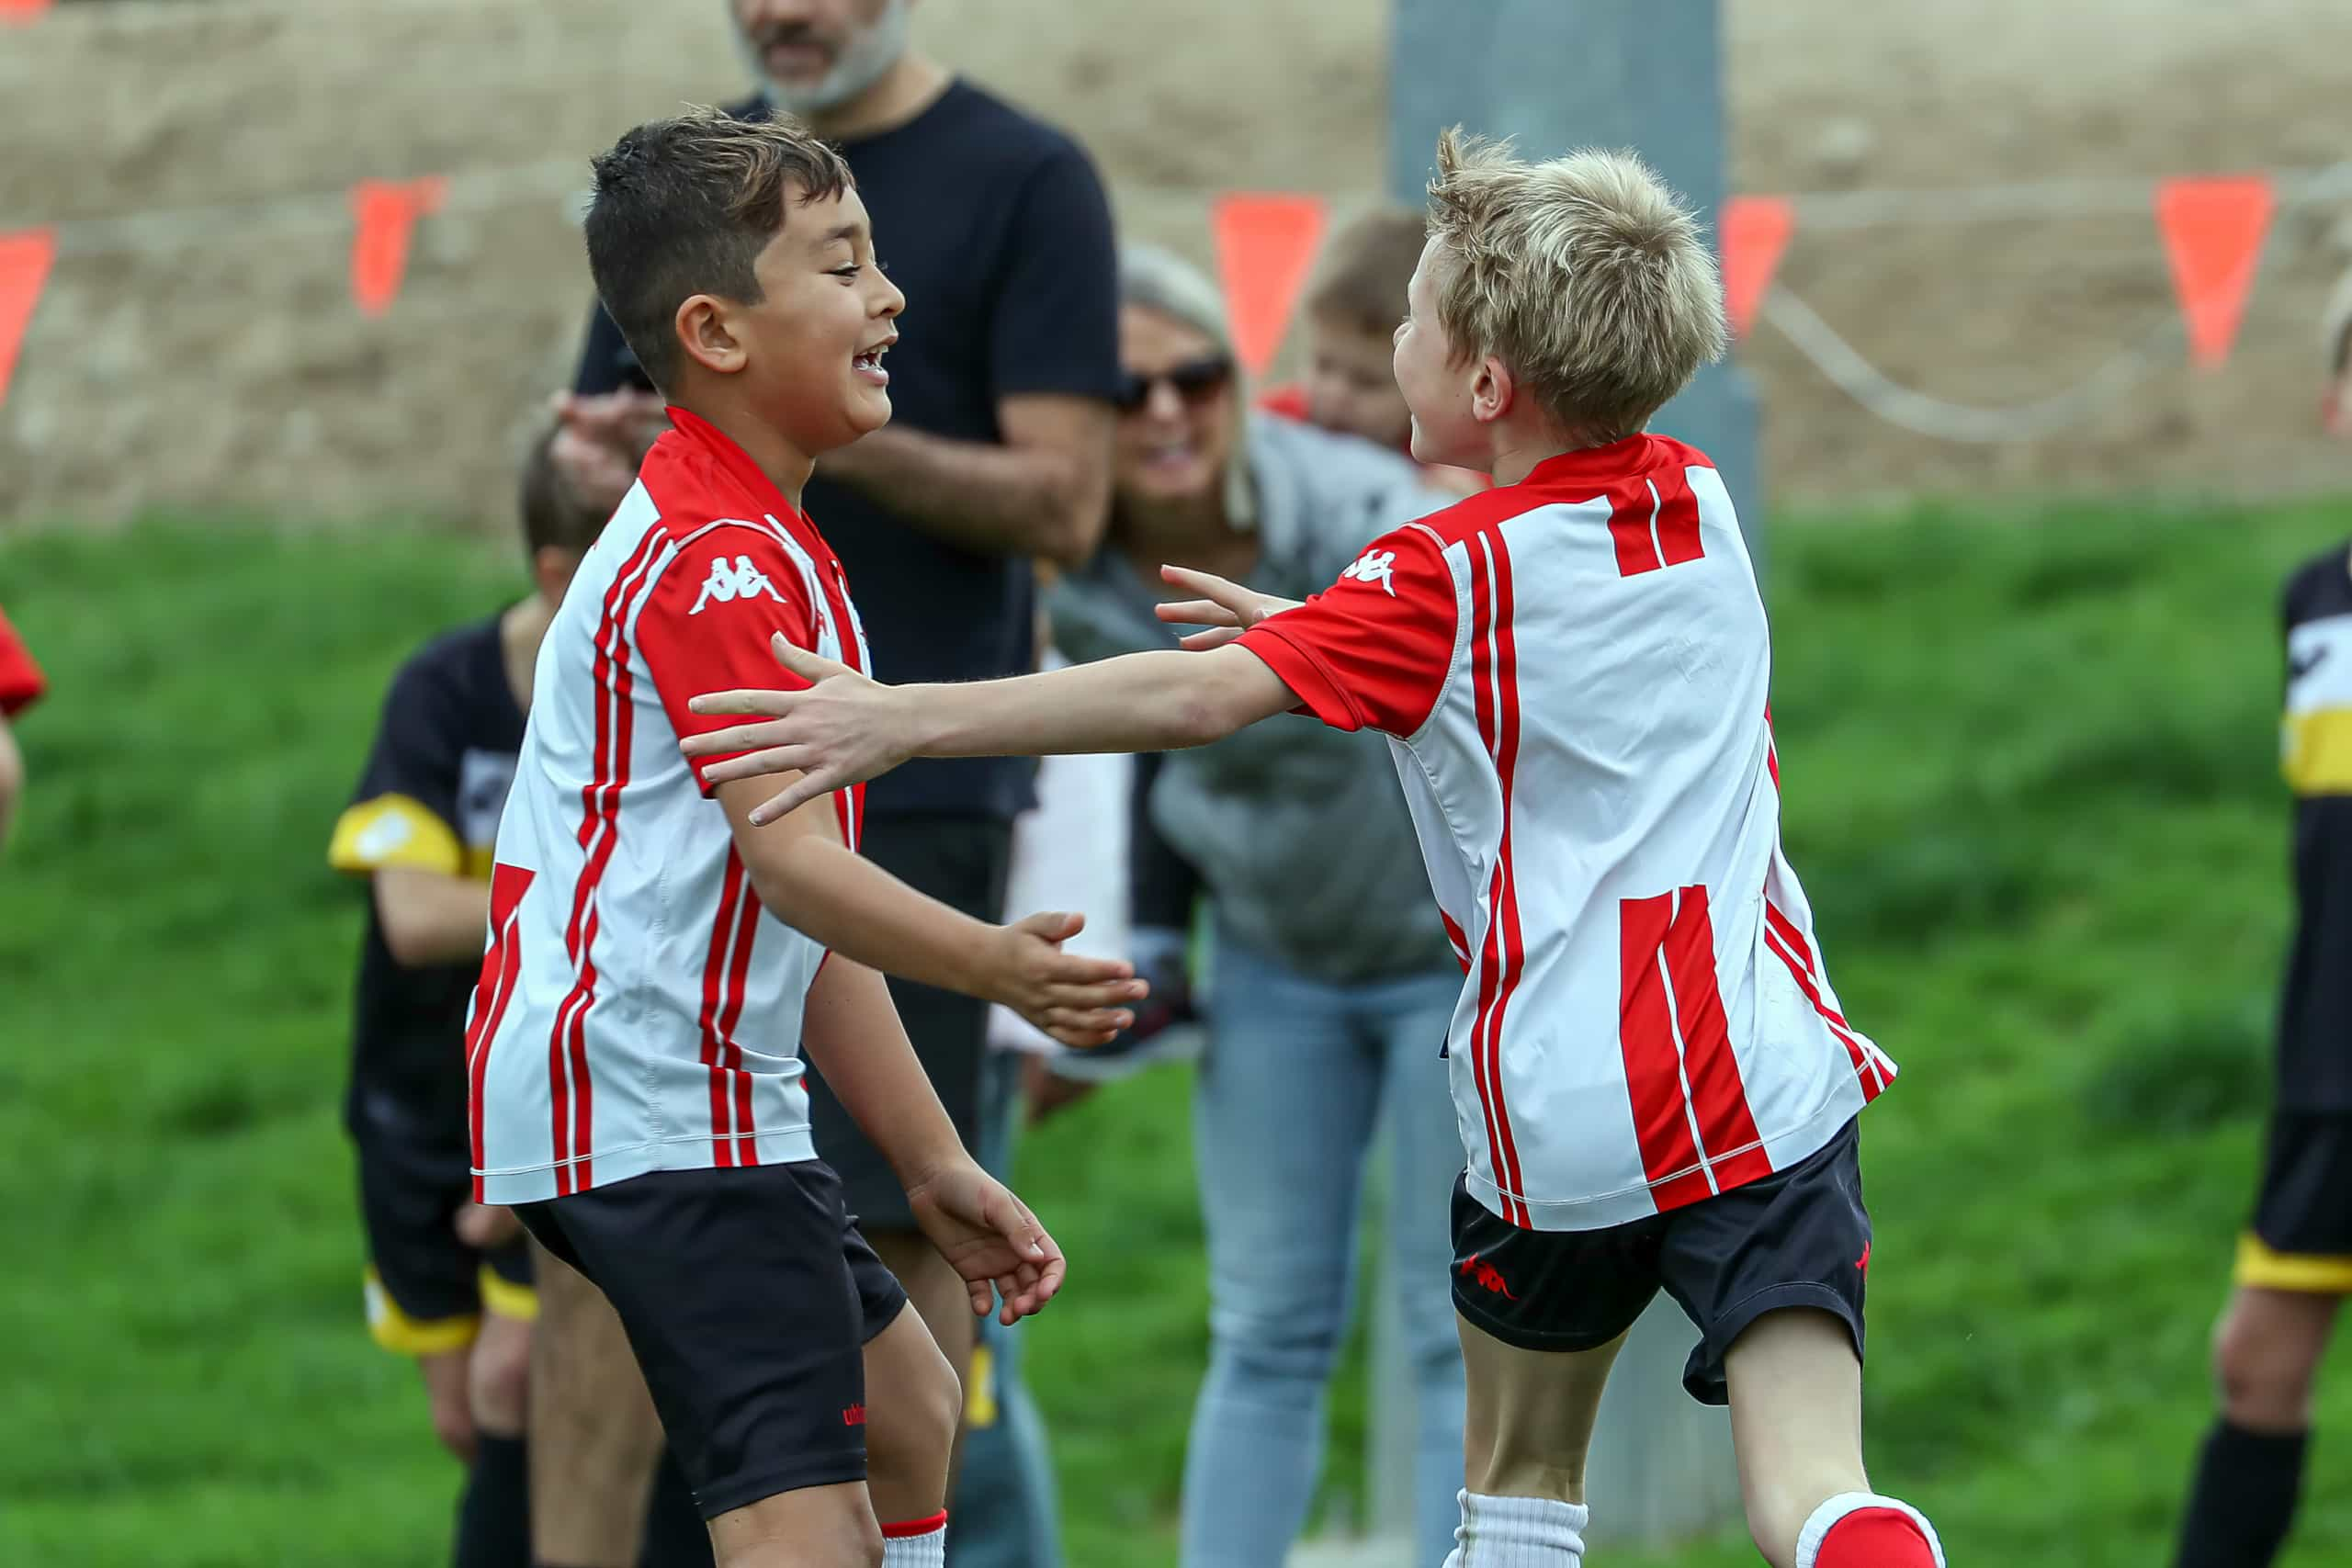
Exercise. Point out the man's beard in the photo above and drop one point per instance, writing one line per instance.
(869, 54)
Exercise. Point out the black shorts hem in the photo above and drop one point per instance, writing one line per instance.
(879, 1319)
(817, 1470)
(1520, 1336)
(1705, 1382)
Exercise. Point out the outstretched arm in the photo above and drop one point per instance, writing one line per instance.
(844, 728)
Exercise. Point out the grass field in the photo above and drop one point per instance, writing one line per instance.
(2029, 768)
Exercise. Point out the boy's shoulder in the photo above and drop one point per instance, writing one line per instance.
(2320, 585)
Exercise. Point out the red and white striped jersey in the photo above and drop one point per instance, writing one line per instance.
(637, 1009)
(1574, 674)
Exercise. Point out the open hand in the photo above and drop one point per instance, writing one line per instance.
(1225, 607)
(990, 1237)
(839, 729)
(1080, 1001)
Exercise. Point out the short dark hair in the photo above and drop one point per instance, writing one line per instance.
(683, 207)
(552, 515)
(1360, 278)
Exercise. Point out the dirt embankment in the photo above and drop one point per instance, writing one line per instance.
(179, 365)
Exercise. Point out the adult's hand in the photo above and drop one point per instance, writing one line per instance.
(600, 440)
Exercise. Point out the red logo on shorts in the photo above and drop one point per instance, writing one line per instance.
(1489, 1278)
(1864, 1260)
(853, 1416)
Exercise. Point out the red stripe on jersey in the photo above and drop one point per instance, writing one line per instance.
(493, 991)
(715, 969)
(1771, 751)
(1664, 1128)
(1629, 530)
(747, 924)
(1783, 938)
(1482, 652)
(1514, 946)
(568, 1086)
(1727, 1132)
(1461, 942)
(1677, 513)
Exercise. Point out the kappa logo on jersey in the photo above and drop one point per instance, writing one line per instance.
(729, 583)
(1373, 566)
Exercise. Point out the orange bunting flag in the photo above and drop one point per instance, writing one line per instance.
(2212, 230)
(1264, 245)
(384, 214)
(1754, 230)
(24, 267)
(22, 10)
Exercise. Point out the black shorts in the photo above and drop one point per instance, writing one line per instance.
(425, 1289)
(748, 1295)
(1798, 1237)
(961, 861)
(2302, 1234)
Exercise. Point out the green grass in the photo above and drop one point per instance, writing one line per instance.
(2029, 768)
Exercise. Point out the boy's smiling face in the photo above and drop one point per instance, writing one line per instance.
(812, 347)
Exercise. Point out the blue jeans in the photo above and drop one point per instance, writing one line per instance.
(1284, 1108)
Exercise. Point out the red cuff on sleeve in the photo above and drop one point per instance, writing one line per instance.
(1373, 650)
(21, 681)
(1319, 694)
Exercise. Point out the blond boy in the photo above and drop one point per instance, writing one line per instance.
(1654, 1082)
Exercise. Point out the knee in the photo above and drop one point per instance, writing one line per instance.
(498, 1383)
(1266, 1342)
(2263, 1377)
(914, 1436)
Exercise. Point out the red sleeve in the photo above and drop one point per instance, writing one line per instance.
(21, 683)
(706, 626)
(1372, 651)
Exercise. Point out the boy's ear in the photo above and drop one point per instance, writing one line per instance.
(1492, 394)
(706, 333)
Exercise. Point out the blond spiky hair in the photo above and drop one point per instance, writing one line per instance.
(1585, 275)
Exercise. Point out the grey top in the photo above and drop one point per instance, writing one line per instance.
(1299, 831)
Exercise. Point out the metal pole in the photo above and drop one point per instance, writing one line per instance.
(1557, 74)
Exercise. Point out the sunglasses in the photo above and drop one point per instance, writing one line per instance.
(1195, 380)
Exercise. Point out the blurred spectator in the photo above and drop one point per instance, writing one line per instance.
(1353, 301)
(997, 228)
(21, 685)
(2294, 1261)
(1333, 981)
(448, 1282)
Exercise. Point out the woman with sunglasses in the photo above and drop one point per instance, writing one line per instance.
(1332, 978)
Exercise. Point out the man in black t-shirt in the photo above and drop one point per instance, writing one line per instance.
(998, 454)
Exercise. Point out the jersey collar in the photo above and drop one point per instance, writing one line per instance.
(1603, 465)
(733, 459)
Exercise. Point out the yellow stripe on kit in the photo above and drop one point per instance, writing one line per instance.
(979, 1384)
(2268, 1271)
(2315, 752)
(502, 1297)
(406, 1335)
(394, 830)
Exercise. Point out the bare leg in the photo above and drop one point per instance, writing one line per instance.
(817, 1527)
(2267, 1351)
(1796, 1422)
(940, 1297)
(594, 1438)
(1529, 1427)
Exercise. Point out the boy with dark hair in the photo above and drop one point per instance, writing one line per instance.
(445, 1281)
(1654, 1084)
(657, 963)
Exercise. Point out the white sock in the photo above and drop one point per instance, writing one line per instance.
(918, 1543)
(1826, 1518)
(1519, 1532)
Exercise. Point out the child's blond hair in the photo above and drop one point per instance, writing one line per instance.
(1585, 275)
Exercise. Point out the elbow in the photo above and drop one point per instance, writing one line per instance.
(405, 942)
(1198, 717)
(1074, 525)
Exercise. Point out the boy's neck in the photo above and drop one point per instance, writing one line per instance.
(908, 88)
(785, 465)
(520, 631)
(1519, 449)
